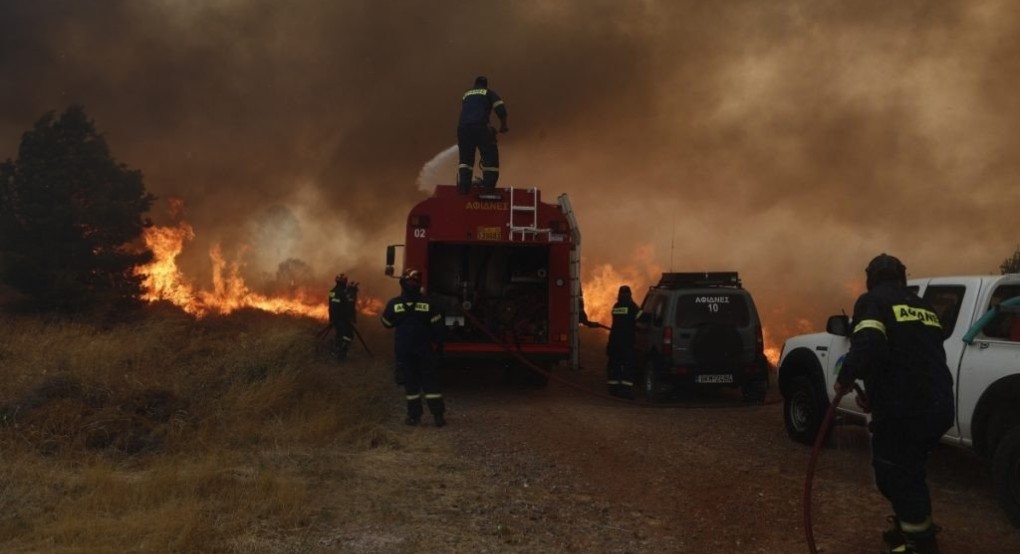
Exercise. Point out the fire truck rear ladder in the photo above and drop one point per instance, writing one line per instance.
(525, 230)
(575, 280)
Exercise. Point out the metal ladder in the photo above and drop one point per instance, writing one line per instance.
(575, 280)
(525, 230)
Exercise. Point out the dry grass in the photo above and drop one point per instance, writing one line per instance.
(171, 435)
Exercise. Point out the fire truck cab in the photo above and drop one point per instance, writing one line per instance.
(504, 268)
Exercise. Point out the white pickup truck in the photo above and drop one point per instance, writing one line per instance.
(980, 316)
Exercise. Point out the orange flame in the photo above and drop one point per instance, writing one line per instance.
(164, 281)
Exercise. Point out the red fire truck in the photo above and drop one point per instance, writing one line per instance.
(504, 267)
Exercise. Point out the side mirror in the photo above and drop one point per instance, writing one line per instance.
(389, 271)
(391, 256)
(838, 325)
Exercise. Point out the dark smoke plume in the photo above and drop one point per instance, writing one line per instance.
(788, 140)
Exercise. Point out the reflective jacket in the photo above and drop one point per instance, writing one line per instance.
(621, 335)
(417, 322)
(342, 302)
(477, 104)
(896, 349)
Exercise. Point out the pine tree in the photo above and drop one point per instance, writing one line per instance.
(71, 217)
(1011, 264)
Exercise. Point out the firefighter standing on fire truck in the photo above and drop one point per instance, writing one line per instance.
(419, 327)
(474, 132)
(896, 349)
(342, 301)
(620, 347)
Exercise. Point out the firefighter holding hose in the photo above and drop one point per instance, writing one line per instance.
(343, 299)
(896, 349)
(419, 330)
(475, 133)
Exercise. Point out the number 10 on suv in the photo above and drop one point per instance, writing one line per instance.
(700, 329)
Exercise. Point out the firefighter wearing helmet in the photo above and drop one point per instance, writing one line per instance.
(418, 336)
(896, 349)
(475, 133)
(620, 348)
(343, 299)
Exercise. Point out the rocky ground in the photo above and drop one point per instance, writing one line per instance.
(559, 470)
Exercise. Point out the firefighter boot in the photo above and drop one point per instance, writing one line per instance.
(437, 407)
(414, 410)
(907, 542)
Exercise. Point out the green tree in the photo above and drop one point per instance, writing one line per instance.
(1012, 263)
(71, 217)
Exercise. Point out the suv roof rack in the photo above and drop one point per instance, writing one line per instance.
(705, 279)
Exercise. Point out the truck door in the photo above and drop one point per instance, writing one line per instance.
(950, 300)
(992, 355)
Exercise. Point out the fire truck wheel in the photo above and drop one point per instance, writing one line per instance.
(652, 384)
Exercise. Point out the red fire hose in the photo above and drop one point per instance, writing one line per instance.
(819, 439)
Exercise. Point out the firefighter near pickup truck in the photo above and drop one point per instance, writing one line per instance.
(502, 266)
(896, 349)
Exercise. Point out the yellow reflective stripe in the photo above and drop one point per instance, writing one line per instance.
(332, 294)
(433, 396)
(413, 396)
(497, 103)
(611, 382)
(475, 91)
(490, 168)
(627, 383)
(335, 300)
(421, 307)
(386, 322)
(620, 311)
(870, 324)
(348, 339)
(436, 318)
(904, 313)
(464, 166)
(399, 308)
(639, 313)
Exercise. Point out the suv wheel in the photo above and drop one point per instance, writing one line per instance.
(803, 410)
(655, 390)
(1006, 473)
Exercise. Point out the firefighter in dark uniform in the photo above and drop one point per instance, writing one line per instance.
(418, 340)
(342, 302)
(474, 132)
(896, 349)
(620, 347)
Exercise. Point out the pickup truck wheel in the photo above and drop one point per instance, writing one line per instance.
(651, 383)
(803, 410)
(1006, 473)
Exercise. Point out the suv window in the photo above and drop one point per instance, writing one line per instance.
(946, 300)
(654, 306)
(695, 310)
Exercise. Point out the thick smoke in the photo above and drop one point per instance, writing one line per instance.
(788, 140)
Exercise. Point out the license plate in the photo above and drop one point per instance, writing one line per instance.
(490, 233)
(714, 379)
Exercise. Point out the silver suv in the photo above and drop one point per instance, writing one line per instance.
(700, 329)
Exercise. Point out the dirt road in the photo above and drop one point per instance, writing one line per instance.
(576, 473)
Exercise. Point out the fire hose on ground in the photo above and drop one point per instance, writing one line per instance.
(813, 461)
(528, 363)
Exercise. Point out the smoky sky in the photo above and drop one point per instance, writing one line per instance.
(789, 140)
